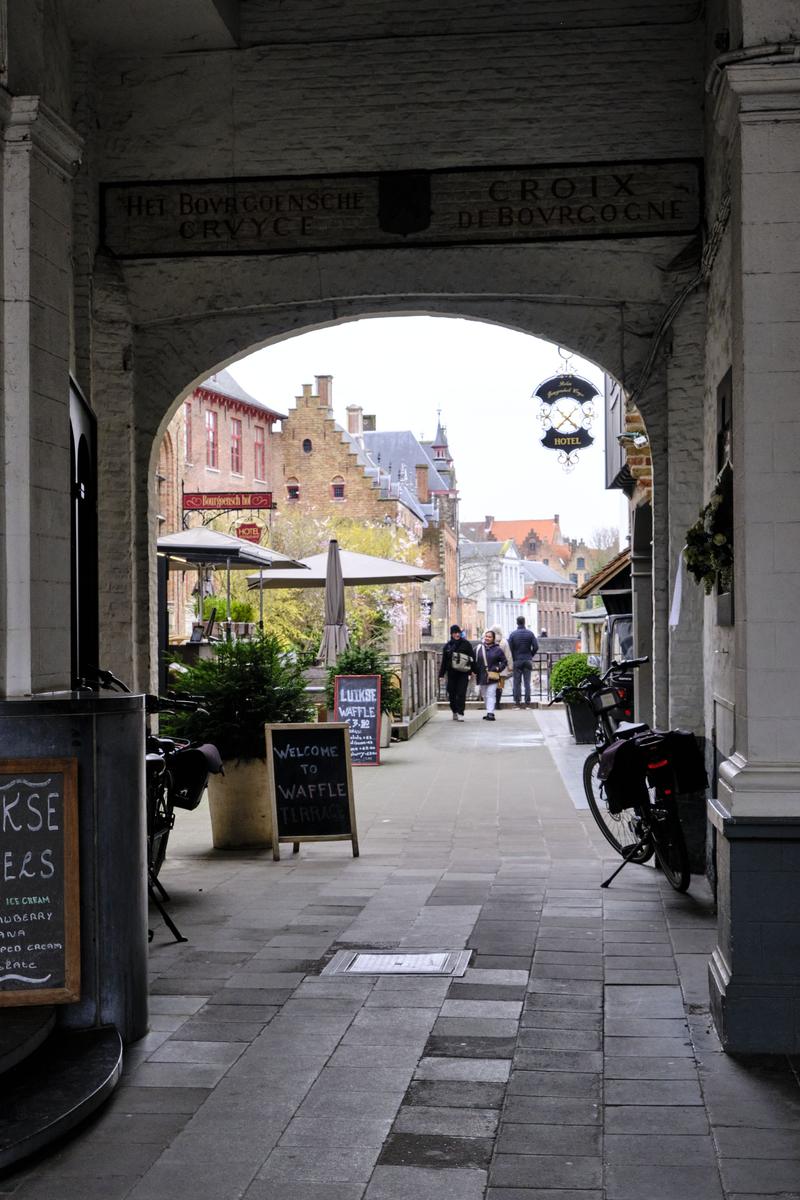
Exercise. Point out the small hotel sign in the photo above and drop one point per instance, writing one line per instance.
(401, 208)
(198, 500)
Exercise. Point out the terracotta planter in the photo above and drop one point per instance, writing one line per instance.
(241, 818)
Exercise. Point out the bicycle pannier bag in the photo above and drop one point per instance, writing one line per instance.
(686, 757)
(190, 769)
(622, 775)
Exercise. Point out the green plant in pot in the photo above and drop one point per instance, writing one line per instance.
(245, 686)
(366, 660)
(565, 676)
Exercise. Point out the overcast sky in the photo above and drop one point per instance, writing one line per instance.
(481, 376)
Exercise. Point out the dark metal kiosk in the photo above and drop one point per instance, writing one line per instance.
(73, 908)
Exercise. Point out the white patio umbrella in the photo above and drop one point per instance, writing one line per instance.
(358, 570)
(200, 548)
(334, 633)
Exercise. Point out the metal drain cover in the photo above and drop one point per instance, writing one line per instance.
(367, 962)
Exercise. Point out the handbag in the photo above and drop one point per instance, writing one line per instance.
(493, 676)
(459, 661)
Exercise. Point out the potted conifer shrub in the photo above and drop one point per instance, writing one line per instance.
(246, 685)
(566, 674)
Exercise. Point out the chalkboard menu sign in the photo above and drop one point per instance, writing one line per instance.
(357, 700)
(39, 898)
(311, 784)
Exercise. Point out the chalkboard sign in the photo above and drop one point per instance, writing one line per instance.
(39, 898)
(357, 700)
(311, 784)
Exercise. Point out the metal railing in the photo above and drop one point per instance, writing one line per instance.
(416, 671)
(540, 679)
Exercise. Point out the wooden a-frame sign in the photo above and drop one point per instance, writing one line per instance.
(310, 781)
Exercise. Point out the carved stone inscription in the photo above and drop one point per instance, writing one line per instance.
(284, 215)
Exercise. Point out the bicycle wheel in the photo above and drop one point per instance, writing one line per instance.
(620, 829)
(671, 853)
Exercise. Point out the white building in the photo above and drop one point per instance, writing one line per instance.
(491, 574)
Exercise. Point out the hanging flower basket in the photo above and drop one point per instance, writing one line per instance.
(709, 542)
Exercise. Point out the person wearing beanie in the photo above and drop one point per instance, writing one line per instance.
(458, 663)
(502, 642)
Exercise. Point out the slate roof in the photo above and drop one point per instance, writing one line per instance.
(392, 448)
(223, 383)
(483, 549)
(538, 572)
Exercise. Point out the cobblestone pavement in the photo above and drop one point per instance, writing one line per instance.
(575, 1059)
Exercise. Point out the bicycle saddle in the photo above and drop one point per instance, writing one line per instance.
(629, 728)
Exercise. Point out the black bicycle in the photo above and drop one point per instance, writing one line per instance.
(633, 776)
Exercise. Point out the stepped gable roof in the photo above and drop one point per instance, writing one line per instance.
(223, 383)
(545, 530)
(538, 572)
(398, 447)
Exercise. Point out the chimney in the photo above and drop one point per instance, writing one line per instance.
(324, 390)
(423, 493)
(369, 423)
(355, 420)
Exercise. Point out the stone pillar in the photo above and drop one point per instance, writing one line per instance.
(40, 155)
(755, 969)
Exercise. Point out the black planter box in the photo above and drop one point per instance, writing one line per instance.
(581, 722)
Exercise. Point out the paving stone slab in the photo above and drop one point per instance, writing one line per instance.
(454, 1094)
(659, 1149)
(321, 1164)
(579, 1061)
(551, 1110)
(249, 997)
(545, 1018)
(627, 1067)
(423, 1183)
(536, 1038)
(653, 1092)
(664, 1119)
(459, 990)
(336, 1131)
(639, 1180)
(432, 1150)
(555, 1083)
(479, 1070)
(469, 1047)
(132, 1099)
(489, 1027)
(549, 1171)
(303, 1189)
(535, 1193)
(451, 1122)
(571, 1140)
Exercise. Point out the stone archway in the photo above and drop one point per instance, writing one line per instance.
(186, 318)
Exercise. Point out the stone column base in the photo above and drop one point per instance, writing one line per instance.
(754, 973)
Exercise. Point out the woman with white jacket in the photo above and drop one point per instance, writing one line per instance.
(502, 642)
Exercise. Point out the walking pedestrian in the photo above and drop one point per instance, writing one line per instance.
(458, 663)
(523, 645)
(501, 641)
(490, 661)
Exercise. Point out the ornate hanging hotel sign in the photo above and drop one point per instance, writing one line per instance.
(293, 214)
(566, 414)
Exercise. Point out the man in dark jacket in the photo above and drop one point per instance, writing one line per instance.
(523, 645)
(458, 663)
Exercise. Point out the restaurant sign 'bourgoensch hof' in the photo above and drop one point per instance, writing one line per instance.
(193, 501)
